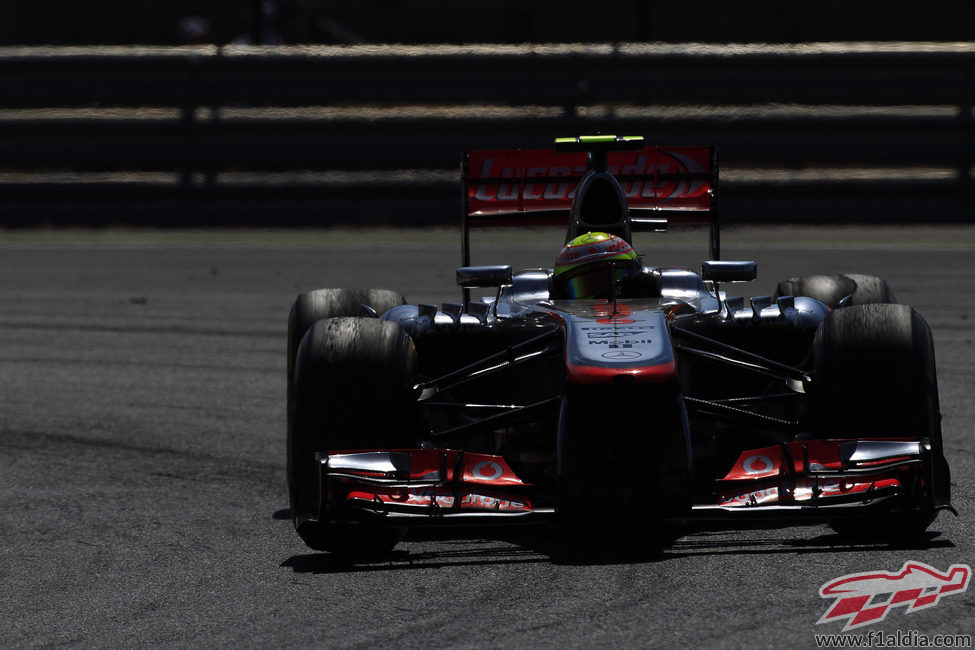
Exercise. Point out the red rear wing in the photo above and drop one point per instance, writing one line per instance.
(500, 185)
(507, 187)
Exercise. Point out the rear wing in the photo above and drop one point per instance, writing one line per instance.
(538, 186)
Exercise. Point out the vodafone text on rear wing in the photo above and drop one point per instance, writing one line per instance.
(538, 186)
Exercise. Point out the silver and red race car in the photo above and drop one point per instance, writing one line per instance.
(603, 389)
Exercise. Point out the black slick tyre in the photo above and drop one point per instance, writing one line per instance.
(352, 390)
(875, 377)
(848, 289)
(313, 306)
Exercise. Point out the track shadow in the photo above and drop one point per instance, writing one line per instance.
(399, 560)
(713, 541)
(599, 545)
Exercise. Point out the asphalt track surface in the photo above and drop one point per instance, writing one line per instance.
(142, 482)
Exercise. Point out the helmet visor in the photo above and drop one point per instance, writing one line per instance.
(595, 283)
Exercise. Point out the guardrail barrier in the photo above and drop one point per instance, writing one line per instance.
(319, 135)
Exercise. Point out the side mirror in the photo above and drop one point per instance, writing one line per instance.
(721, 271)
(479, 277)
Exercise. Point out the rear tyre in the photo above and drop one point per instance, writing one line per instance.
(353, 381)
(870, 290)
(832, 289)
(875, 377)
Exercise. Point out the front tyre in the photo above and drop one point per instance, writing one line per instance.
(875, 377)
(313, 306)
(353, 380)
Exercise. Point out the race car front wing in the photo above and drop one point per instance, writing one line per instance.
(425, 486)
(834, 478)
(814, 478)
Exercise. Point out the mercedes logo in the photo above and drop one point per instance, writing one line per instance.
(622, 354)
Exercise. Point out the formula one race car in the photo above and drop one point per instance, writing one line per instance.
(604, 390)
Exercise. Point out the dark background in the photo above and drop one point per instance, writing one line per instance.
(56, 22)
(316, 112)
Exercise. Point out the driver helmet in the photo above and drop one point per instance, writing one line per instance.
(592, 264)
